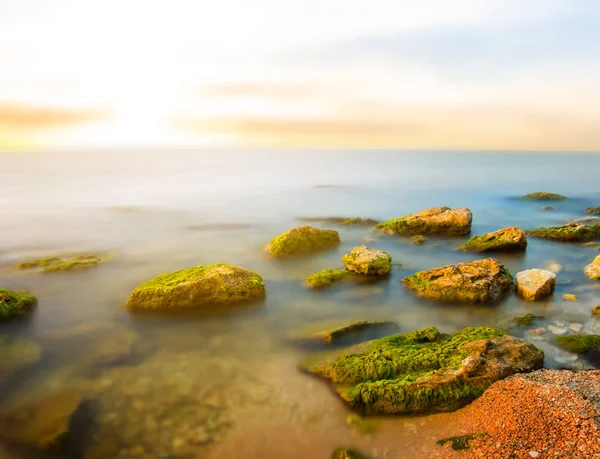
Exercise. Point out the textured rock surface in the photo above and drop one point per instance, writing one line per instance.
(593, 269)
(437, 220)
(572, 232)
(535, 284)
(368, 261)
(302, 240)
(425, 370)
(505, 239)
(198, 286)
(476, 281)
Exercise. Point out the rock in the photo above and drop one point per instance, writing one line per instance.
(350, 221)
(346, 453)
(557, 330)
(419, 239)
(535, 284)
(593, 210)
(15, 303)
(544, 196)
(553, 267)
(303, 240)
(596, 310)
(367, 261)
(505, 239)
(198, 286)
(593, 269)
(345, 334)
(114, 350)
(327, 277)
(460, 443)
(576, 327)
(526, 319)
(591, 244)
(16, 354)
(423, 371)
(437, 220)
(546, 208)
(572, 232)
(586, 220)
(41, 422)
(476, 281)
(64, 263)
(579, 344)
(569, 297)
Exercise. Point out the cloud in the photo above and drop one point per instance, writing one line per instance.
(28, 117)
(257, 89)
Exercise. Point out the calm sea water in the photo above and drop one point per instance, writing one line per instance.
(226, 384)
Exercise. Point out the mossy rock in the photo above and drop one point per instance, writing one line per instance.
(473, 282)
(198, 286)
(303, 240)
(593, 210)
(348, 453)
(526, 319)
(593, 269)
(503, 240)
(544, 196)
(64, 263)
(16, 354)
(15, 303)
(348, 221)
(437, 220)
(346, 334)
(572, 232)
(367, 261)
(596, 310)
(423, 371)
(579, 344)
(327, 277)
(462, 442)
(419, 239)
(41, 422)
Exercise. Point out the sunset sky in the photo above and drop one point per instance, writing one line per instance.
(472, 74)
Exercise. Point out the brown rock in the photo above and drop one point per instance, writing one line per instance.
(367, 261)
(505, 239)
(593, 269)
(535, 284)
(437, 220)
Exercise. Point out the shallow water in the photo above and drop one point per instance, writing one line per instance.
(225, 383)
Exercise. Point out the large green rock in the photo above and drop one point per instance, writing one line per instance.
(301, 241)
(198, 286)
(423, 371)
(437, 220)
(505, 239)
(473, 282)
(15, 303)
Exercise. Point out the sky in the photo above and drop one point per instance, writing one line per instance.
(443, 74)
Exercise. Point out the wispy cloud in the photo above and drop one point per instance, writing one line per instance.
(30, 117)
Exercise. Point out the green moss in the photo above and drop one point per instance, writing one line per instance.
(327, 278)
(544, 196)
(460, 443)
(38, 263)
(593, 210)
(70, 266)
(526, 319)
(348, 453)
(424, 223)
(64, 263)
(336, 333)
(418, 239)
(303, 240)
(362, 426)
(580, 344)
(418, 281)
(567, 233)
(485, 243)
(15, 303)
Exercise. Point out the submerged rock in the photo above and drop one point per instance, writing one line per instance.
(572, 232)
(437, 220)
(41, 422)
(347, 453)
(593, 269)
(544, 196)
(505, 239)
(579, 344)
(475, 281)
(367, 261)
(345, 334)
(593, 210)
(526, 319)
(198, 286)
(16, 354)
(327, 277)
(425, 370)
(419, 239)
(115, 349)
(546, 208)
(15, 303)
(535, 284)
(460, 443)
(303, 240)
(64, 263)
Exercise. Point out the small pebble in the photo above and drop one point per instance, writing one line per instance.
(570, 297)
(534, 453)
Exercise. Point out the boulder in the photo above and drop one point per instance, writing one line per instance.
(15, 303)
(572, 232)
(593, 210)
(579, 344)
(16, 354)
(535, 284)
(437, 220)
(544, 196)
(198, 286)
(302, 240)
(423, 371)
(41, 422)
(505, 239)
(593, 269)
(474, 282)
(367, 261)
(355, 332)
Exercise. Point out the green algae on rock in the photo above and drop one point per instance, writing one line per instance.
(423, 371)
(327, 277)
(349, 221)
(505, 239)
(302, 240)
(15, 354)
(571, 232)
(348, 453)
(42, 422)
(579, 344)
(473, 282)
(419, 239)
(544, 196)
(64, 263)
(14, 303)
(367, 261)
(460, 443)
(526, 319)
(436, 220)
(344, 334)
(198, 286)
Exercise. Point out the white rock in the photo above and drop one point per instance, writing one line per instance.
(576, 327)
(535, 284)
(534, 453)
(557, 330)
